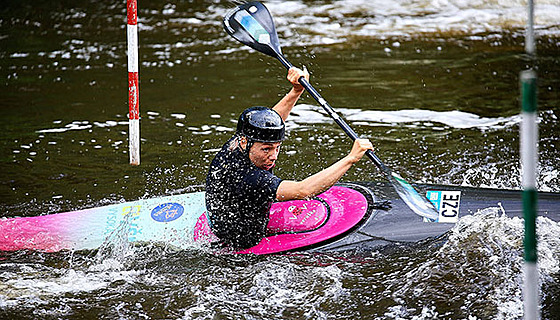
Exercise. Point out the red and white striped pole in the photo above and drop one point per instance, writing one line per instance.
(133, 92)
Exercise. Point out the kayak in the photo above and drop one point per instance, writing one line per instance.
(180, 221)
(352, 216)
(400, 225)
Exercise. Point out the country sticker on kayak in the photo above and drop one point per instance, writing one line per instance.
(446, 203)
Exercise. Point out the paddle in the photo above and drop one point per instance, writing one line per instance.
(251, 24)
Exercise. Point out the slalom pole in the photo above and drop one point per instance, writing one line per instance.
(133, 91)
(529, 32)
(529, 159)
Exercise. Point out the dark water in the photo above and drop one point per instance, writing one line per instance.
(433, 84)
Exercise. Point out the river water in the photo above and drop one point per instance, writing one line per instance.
(433, 83)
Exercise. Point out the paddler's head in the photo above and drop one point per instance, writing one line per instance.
(261, 131)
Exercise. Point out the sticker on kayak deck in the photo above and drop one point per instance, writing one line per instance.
(446, 203)
(167, 212)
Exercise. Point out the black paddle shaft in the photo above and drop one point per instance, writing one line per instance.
(345, 127)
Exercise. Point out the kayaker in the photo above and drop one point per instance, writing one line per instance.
(240, 185)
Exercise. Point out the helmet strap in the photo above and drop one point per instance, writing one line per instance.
(249, 144)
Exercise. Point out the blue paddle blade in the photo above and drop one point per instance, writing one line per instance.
(251, 24)
(419, 204)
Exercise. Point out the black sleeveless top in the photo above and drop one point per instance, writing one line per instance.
(238, 198)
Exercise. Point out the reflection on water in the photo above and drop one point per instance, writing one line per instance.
(433, 83)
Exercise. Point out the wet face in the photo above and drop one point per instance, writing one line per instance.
(264, 155)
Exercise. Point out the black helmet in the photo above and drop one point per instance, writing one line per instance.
(261, 124)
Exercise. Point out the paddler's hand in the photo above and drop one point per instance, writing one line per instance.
(359, 149)
(294, 74)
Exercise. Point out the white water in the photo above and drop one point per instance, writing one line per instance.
(335, 21)
(485, 251)
(304, 114)
(478, 270)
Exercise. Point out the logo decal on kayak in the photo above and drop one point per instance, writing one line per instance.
(167, 212)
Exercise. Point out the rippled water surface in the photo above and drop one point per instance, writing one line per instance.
(434, 84)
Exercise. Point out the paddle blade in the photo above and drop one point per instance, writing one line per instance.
(419, 204)
(251, 24)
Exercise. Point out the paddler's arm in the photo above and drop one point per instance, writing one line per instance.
(284, 106)
(321, 181)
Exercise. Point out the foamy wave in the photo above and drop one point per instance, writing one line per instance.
(486, 249)
(334, 21)
(83, 125)
(69, 281)
(308, 114)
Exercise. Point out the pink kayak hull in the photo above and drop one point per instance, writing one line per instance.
(299, 224)
(180, 221)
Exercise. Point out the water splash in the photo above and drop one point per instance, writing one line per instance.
(484, 258)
